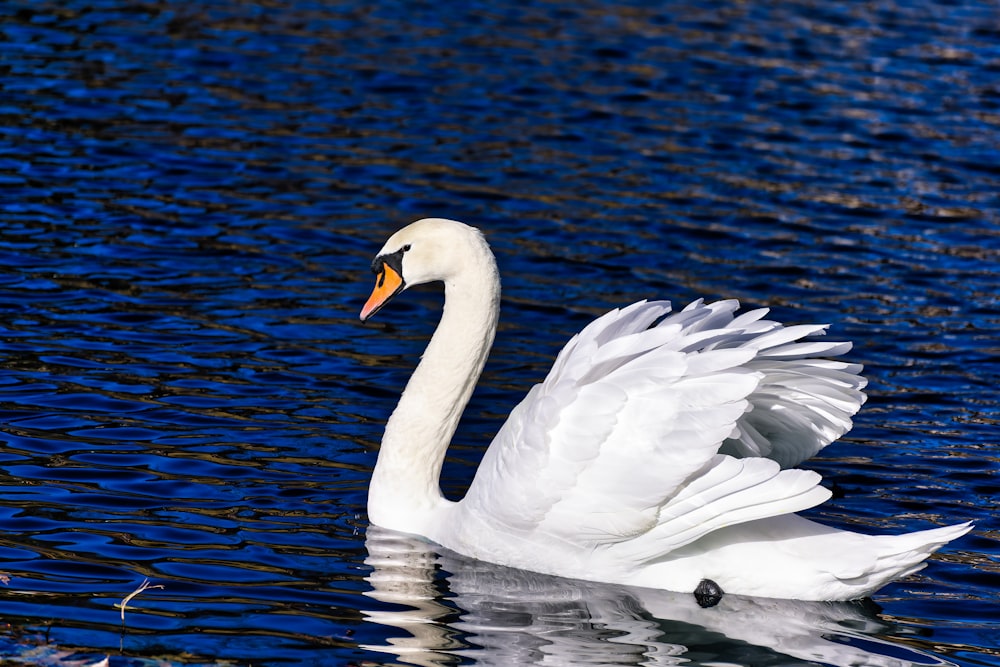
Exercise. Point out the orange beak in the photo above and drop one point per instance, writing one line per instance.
(388, 284)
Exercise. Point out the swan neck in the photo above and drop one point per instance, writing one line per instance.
(405, 489)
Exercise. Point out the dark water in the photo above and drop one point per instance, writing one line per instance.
(190, 194)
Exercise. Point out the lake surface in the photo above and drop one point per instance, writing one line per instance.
(191, 194)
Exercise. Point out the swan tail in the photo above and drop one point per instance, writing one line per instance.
(897, 556)
(789, 556)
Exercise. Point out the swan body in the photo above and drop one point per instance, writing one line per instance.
(659, 451)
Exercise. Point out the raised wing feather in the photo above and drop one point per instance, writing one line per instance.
(635, 433)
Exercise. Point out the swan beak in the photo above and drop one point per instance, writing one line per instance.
(388, 283)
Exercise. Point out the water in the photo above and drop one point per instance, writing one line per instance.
(191, 194)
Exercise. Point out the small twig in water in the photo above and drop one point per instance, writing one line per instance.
(144, 586)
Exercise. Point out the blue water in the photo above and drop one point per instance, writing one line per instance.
(190, 196)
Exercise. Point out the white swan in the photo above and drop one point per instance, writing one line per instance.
(657, 452)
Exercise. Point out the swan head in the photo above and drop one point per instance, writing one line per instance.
(422, 252)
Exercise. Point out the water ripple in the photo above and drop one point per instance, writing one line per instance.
(191, 197)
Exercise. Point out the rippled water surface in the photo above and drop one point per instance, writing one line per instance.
(190, 195)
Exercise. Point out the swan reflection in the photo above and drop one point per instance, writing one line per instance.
(447, 607)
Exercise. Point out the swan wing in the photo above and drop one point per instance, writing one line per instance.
(645, 428)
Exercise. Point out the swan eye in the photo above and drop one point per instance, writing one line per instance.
(406, 247)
